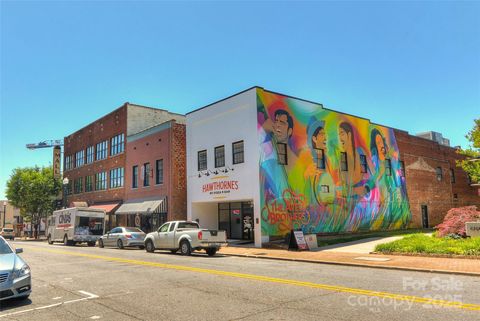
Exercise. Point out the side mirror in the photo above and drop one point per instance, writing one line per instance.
(18, 251)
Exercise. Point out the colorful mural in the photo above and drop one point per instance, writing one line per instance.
(323, 171)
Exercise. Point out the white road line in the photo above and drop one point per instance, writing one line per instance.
(56, 298)
(95, 317)
(88, 294)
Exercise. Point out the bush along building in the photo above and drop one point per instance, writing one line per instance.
(260, 164)
(95, 158)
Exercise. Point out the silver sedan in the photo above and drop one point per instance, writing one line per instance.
(15, 280)
(123, 237)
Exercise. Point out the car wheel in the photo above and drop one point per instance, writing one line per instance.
(141, 247)
(149, 247)
(49, 239)
(66, 242)
(91, 244)
(185, 248)
(211, 251)
(120, 244)
(100, 244)
(173, 251)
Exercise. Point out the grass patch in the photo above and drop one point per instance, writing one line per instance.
(421, 243)
(344, 238)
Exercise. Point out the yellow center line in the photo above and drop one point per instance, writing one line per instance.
(400, 297)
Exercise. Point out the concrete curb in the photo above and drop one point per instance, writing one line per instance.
(365, 265)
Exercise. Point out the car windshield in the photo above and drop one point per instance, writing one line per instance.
(8, 230)
(4, 248)
(133, 230)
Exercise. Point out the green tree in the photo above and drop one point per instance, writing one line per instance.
(472, 164)
(32, 190)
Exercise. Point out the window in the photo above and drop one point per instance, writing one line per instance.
(159, 172)
(343, 162)
(282, 153)
(78, 185)
(135, 176)
(452, 175)
(102, 149)
(388, 167)
(164, 227)
(101, 181)
(68, 162)
(402, 168)
(439, 173)
(146, 174)
(202, 160)
(320, 159)
(117, 144)
(80, 158)
(237, 150)
(219, 156)
(88, 183)
(90, 154)
(116, 177)
(363, 163)
(172, 226)
(325, 189)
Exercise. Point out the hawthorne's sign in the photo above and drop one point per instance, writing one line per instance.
(220, 187)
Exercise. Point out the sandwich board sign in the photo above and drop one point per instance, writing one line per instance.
(297, 241)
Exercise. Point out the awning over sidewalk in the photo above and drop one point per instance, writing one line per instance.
(143, 206)
(108, 207)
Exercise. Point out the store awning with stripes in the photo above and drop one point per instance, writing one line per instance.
(143, 206)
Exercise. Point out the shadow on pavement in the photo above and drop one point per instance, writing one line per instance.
(13, 303)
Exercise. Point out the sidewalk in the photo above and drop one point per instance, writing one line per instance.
(411, 263)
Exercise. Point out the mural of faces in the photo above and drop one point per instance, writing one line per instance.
(283, 126)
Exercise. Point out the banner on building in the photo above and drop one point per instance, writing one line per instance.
(56, 161)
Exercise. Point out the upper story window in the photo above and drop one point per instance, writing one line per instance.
(90, 154)
(237, 152)
(102, 150)
(402, 168)
(78, 185)
(135, 176)
(202, 160)
(282, 153)
(117, 144)
(101, 181)
(88, 183)
(146, 174)
(116, 177)
(388, 167)
(452, 175)
(219, 156)
(79, 158)
(343, 162)
(439, 173)
(68, 162)
(159, 172)
(363, 164)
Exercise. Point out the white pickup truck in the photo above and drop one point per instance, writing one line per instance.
(185, 236)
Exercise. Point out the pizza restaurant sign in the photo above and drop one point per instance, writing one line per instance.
(220, 187)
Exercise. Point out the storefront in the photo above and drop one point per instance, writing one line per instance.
(237, 219)
(146, 214)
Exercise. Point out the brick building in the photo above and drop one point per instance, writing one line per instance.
(95, 158)
(155, 183)
(434, 183)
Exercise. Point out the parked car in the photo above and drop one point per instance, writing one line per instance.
(15, 280)
(185, 236)
(7, 233)
(123, 237)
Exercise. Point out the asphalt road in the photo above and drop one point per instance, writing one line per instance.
(82, 283)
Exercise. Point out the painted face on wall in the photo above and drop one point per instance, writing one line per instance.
(345, 140)
(382, 151)
(320, 140)
(281, 128)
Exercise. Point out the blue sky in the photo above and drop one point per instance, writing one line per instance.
(409, 65)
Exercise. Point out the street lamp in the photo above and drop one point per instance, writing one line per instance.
(65, 185)
(4, 213)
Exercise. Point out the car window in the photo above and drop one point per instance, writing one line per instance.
(187, 225)
(7, 230)
(164, 227)
(172, 226)
(116, 230)
(132, 230)
(4, 248)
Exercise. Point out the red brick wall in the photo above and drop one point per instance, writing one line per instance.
(179, 180)
(421, 158)
(102, 129)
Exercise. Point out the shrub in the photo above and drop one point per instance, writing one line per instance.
(454, 221)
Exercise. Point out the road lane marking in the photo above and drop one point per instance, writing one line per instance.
(89, 296)
(56, 298)
(335, 288)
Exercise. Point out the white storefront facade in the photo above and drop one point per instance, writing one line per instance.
(223, 167)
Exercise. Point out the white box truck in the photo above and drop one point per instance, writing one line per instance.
(76, 225)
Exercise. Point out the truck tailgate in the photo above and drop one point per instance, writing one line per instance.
(214, 236)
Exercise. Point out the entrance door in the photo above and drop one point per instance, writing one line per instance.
(247, 221)
(424, 216)
(236, 220)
